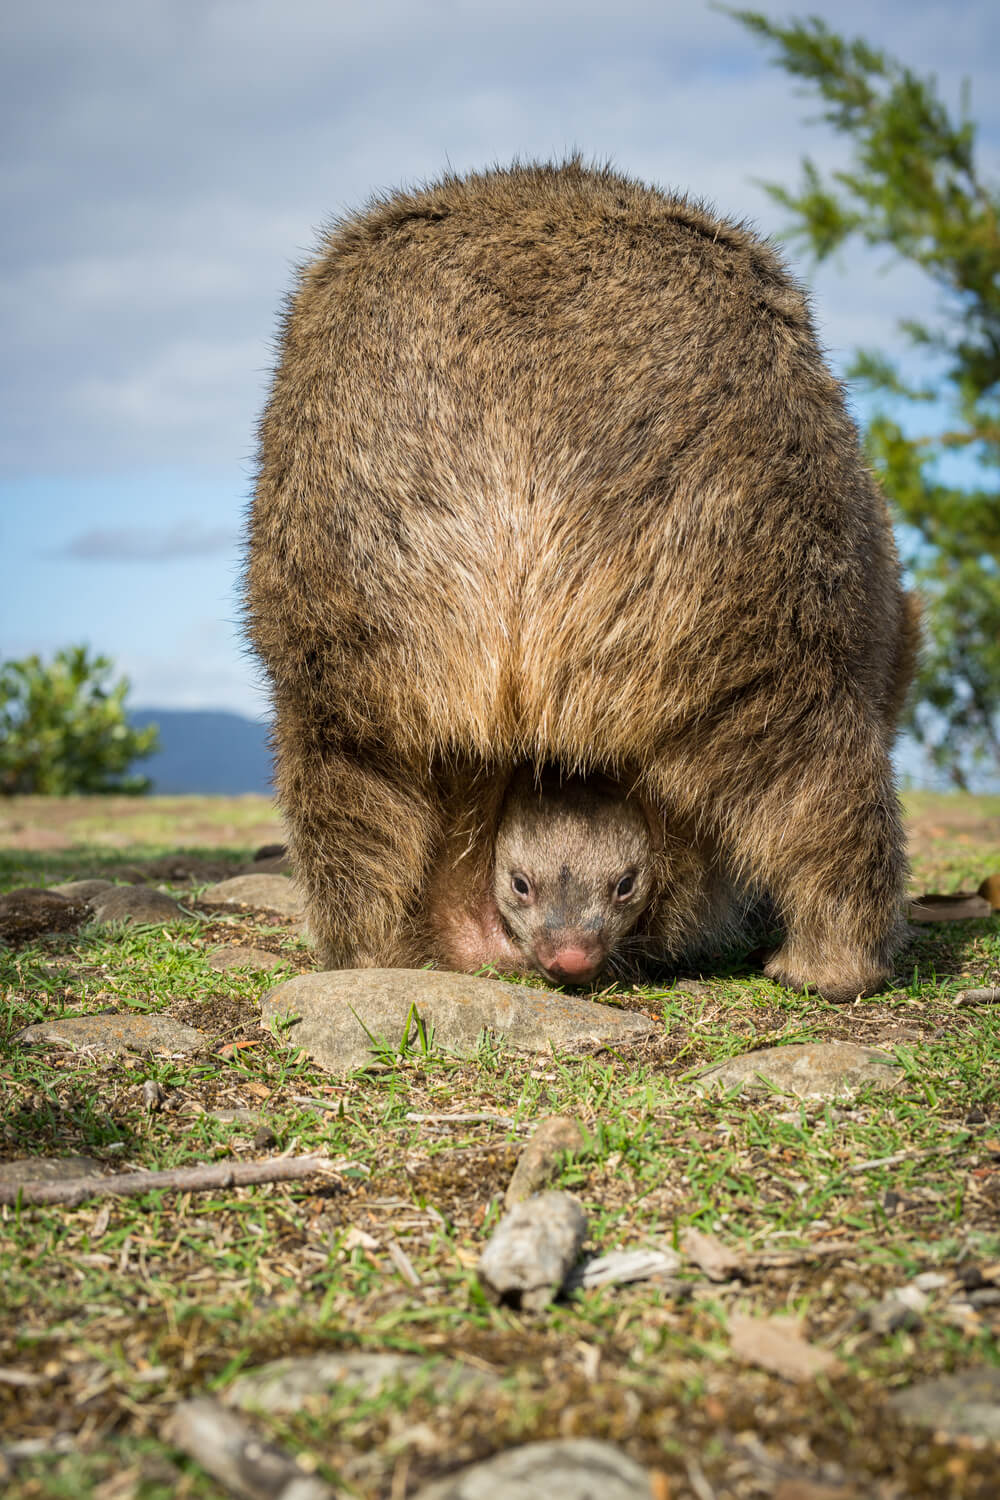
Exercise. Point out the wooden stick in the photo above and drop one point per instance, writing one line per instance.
(988, 995)
(224, 1174)
(461, 1119)
(228, 1447)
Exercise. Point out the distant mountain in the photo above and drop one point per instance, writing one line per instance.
(205, 751)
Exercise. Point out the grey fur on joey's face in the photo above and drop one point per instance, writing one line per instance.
(552, 473)
(573, 874)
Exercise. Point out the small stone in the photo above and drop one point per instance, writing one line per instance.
(153, 1096)
(541, 1160)
(224, 959)
(990, 891)
(931, 1281)
(269, 851)
(966, 1404)
(138, 904)
(568, 1468)
(342, 1016)
(692, 987)
(111, 1035)
(275, 893)
(532, 1250)
(82, 890)
(31, 911)
(903, 1307)
(291, 1385)
(34, 1169)
(963, 906)
(811, 1070)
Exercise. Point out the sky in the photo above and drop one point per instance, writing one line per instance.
(167, 163)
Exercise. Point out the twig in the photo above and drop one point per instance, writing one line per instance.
(900, 1156)
(988, 995)
(182, 1180)
(228, 1447)
(461, 1119)
(402, 1262)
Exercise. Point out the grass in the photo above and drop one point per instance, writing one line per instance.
(116, 1309)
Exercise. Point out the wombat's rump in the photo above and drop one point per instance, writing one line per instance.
(552, 472)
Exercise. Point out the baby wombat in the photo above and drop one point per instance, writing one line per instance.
(552, 474)
(574, 867)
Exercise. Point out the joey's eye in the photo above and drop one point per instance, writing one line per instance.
(624, 888)
(520, 885)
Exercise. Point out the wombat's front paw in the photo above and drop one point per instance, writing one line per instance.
(835, 982)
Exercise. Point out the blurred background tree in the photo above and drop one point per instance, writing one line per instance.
(913, 186)
(64, 728)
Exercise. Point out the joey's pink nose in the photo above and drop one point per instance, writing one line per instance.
(573, 964)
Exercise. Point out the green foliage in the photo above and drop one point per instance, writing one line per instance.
(913, 186)
(63, 727)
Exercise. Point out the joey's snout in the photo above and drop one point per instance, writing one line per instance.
(570, 957)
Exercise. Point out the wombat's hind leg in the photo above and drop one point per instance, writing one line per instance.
(825, 842)
(361, 836)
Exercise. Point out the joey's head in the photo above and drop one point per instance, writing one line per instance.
(572, 874)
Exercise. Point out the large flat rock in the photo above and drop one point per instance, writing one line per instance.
(343, 1017)
(810, 1070)
(564, 1469)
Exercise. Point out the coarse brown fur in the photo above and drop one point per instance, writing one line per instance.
(552, 472)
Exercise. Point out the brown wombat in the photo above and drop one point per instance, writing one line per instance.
(552, 473)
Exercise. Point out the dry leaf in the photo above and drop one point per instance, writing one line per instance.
(776, 1344)
(710, 1255)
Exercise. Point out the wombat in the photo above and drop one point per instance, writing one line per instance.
(552, 475)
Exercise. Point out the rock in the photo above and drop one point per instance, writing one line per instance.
(966, 1404)
(279, 865)
(810, 1070)
(341, 1014)
(261, 892)
(269, 851)
(82, 890)
(901, 1307)
(532, 1251)
(138, 904)
(248, 1118)
(541, 1160)
(224, 959)
(990, 891)
(153, 1096)
(290, 1385)
(29, 912)
(111, 1035)
(32, 1169)
(570, 1469)
(964, 906)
